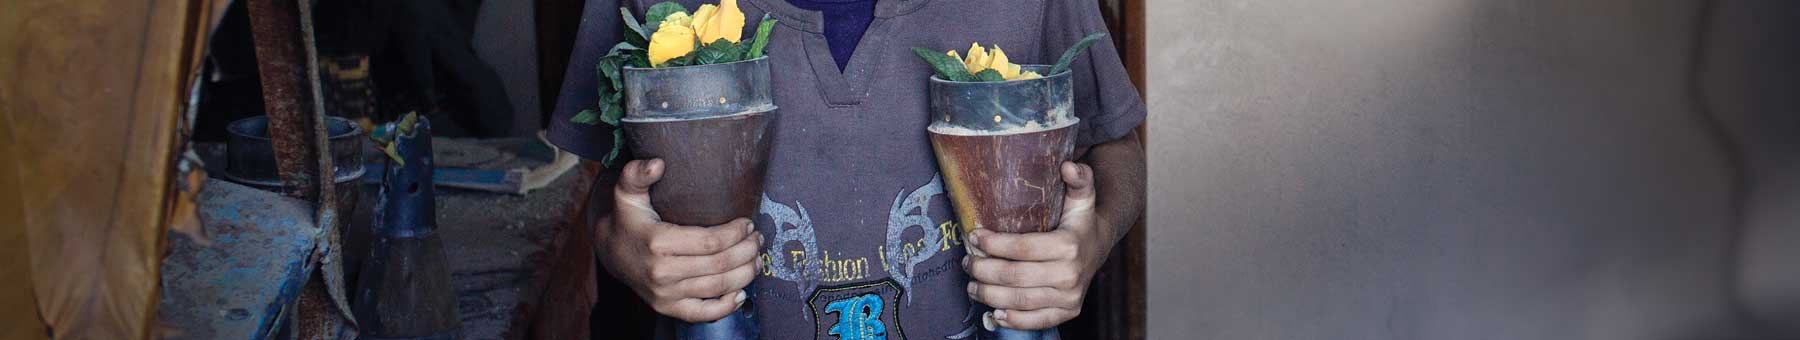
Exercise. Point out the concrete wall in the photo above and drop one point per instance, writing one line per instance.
(1437, 169)
(1750, 81)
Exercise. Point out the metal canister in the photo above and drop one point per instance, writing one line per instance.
(710, 126)
(1000, 147)
(404, 291)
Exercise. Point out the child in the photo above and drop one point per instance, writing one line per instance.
(855, 234)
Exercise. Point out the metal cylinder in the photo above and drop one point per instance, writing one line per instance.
(1000, 147)
(403, 291)
(250, 153)
(710, 126)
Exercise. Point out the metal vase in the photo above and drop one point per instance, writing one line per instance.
(710, 126)
(1000, 146)
(404, 291)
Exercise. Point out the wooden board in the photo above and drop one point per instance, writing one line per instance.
(89, 92)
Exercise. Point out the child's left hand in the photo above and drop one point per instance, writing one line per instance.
(1038, 280)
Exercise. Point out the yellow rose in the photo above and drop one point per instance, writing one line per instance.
(1007, 69)
(978, 59)
(703, 16)
(670, 42)
(725, 23)
(678, 19)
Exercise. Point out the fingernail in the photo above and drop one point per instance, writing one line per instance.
(987, 321)
(971, 289)
(965, 262)
(1000, 316)
(740, 298)
(975, 238)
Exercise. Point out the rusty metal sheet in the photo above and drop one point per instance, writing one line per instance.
(256, 266)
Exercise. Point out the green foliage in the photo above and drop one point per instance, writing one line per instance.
(1069, 56)
(586, 117)
(632, 53)
(635, 34)
(761, 41)
(947, 67)
(718, 52)
(989, 75)
(660, 11)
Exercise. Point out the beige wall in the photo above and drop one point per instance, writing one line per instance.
(1435, 169)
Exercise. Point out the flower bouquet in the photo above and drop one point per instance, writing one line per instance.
(686, 88)
(1001, 131)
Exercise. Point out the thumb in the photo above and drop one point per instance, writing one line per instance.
(635, 180)
(1078, 189)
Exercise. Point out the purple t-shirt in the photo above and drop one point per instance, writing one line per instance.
(859, 230)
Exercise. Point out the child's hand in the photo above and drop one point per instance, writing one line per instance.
(1038, 280)
(696, 274)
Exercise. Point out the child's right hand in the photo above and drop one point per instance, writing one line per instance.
(696, 274)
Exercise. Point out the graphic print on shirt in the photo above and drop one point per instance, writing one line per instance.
(791, 225)
(857, 312)
(859, 304)
(901, 256)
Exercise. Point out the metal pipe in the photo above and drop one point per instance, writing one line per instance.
(281, 62)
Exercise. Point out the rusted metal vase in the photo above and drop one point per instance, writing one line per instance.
(710, 126)
(403, 291)
(1001, 146)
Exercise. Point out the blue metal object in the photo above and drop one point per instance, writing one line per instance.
(403, 291)
(258, 259)
(740, 324)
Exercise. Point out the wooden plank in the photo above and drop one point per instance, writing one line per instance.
(90, 91)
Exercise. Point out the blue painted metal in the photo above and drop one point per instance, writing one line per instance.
(404, 291)
(258, 259)
(740, 324)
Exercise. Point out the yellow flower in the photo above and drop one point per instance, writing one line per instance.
(1007, 69)
(703, 16)
(670, 42)
(978, 58)
(726, 22)
(678, 19)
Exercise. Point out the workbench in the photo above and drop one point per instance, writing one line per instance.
(499, 246)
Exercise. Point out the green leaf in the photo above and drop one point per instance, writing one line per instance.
(609, 68)
(989, 75)
(762, 37)
(718, 52)
(612, 158)
(1069, 56)
(586, 117)
(947, 67)
(637, 33)
(655, 15)
(612, 114)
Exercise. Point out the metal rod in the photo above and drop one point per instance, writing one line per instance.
(281, 62)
